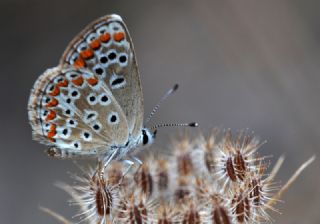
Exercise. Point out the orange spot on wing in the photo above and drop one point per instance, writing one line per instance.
(53, 102)
(118, 36)
(92, 81)
(63, 83)
(51, 134)
(53, 127)
(52, 115)
(78, 81)
(79, 63)
(95, 44)
(105, 37)
(86, 54)
(55, 91)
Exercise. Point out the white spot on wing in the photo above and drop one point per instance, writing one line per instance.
(82, 46)
(96, 126)
(64, 132)
(91, 37)
(110, 54)
(92, 99)
(113, 118)
(113, 81)
(89, 116)
(73, 58)
(102, 30)
(86, 136)
(74, 93)
(123, 59)
(71, 123)
(104, 99)
(62, 144)
(97, 69)
(116, 17)
(76, 145)
(115, 27)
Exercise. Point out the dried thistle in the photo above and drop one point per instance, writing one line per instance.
(209, 180)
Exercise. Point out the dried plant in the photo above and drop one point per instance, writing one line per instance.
(218, 180)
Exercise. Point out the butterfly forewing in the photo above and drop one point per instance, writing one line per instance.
(106, 49)
(72, 109)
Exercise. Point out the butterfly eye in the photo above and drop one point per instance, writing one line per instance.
(145, 138)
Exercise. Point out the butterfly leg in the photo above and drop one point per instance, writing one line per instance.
(103, 163)
(130, 164)
(137, 160)
(110, 158)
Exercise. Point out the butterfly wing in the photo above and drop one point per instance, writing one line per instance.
(105, 48)
(71, 109)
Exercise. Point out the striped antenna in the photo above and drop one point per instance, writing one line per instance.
(155, 109)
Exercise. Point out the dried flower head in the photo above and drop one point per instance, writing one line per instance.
(205, 180)
(96, 193)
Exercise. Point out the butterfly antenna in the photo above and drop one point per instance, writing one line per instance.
(155, 109)
(192, 124)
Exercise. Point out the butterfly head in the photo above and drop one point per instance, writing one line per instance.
(147, 136)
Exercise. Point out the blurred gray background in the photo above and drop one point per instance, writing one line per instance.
(240, 64)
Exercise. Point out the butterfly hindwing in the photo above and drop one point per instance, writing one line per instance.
(71, 109)
(105, 48)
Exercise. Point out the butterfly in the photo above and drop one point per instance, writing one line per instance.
(91, 104)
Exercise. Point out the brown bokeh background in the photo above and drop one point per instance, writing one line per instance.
(240, 64)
